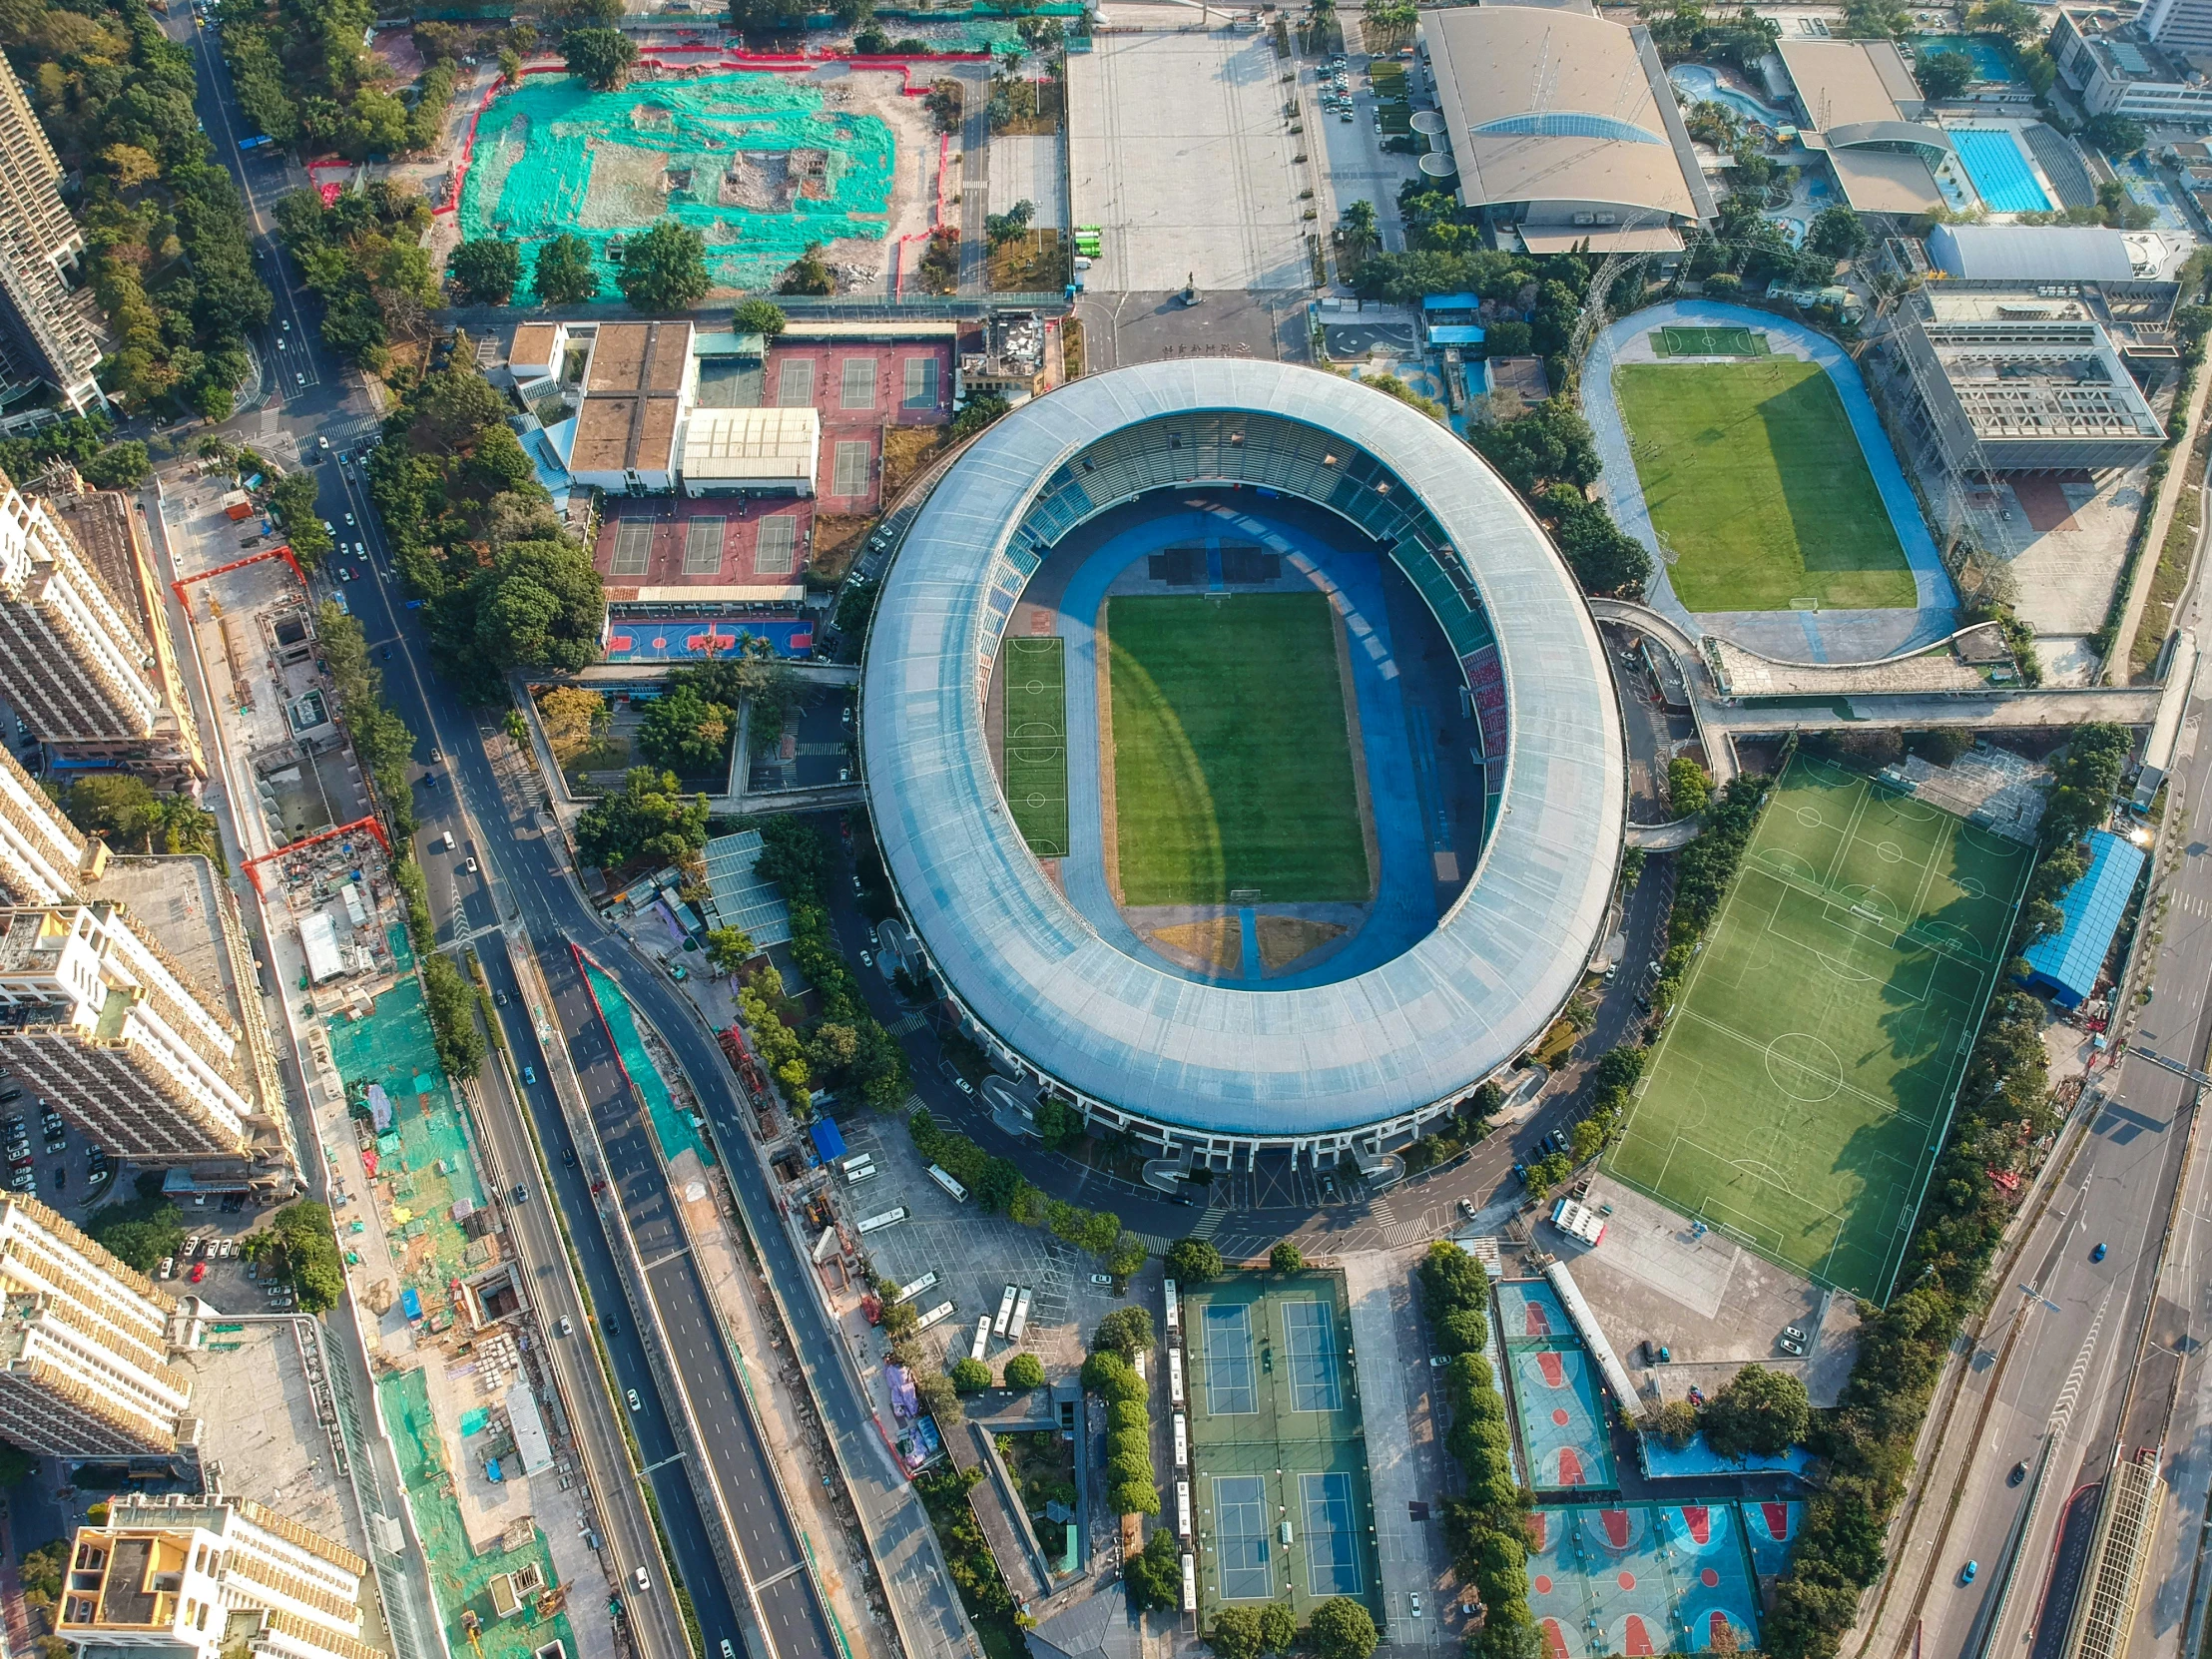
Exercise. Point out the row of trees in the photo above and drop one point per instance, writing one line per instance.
(659, 269)
(305, 76)
(168, 255)
(650, 816)
(998, 1187)
(125, 813)
(362, 257)
(1109, 1372)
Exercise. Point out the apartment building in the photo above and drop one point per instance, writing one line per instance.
(205, 1577)
(83, 1345)
(43, 857)
(73, 662)
(49, 329)
(94, 1009)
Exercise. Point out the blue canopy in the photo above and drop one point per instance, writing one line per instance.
(1452, 302)
(828, 1141)
(2067, 963)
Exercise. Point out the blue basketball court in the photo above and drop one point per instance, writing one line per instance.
(1631, 1581)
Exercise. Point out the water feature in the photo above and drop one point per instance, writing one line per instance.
(1702, 85)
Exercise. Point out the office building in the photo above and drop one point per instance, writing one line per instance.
(73, 662)
(2115, 68)
(202, 1577)
(83, 1345)
(49, 329)
(2178, 25)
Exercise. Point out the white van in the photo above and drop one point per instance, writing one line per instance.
(447, 841)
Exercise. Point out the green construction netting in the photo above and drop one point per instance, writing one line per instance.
(461, 1577)
(670, 1123)
(424, 1163)
(755, 163)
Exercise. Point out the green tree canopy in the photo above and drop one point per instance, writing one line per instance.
(600, 58)
(487, 271)
(649, 818)
(1286, 1257)
(1758, 1410)
(1235, 1633)
(120, 466)
(1278, 1629)
(1839, 232)
(1193, 1261)
(1342, 1629)
(1025, 1371)
(971, 1376)
(729, 949)
(1125, 1330)
(1944, 75)
(687, 734)
(539, 606)
(563, 273)
(664, 268)
(759, 316)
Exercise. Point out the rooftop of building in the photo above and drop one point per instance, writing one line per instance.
(650, 358)
(1556, 106)
(172, 900)
(2031, 253)
(2123, 50)
(533, 342)
(614, 435)
(1849, 82)
(2061, 385)
(771, 444)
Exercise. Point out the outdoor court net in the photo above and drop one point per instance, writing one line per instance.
(1804, 1086)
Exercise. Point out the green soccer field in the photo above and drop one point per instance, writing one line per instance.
(1232, 760)
(1757, 486)
(1803, 1088)
(1036, 741)
(1708, 343)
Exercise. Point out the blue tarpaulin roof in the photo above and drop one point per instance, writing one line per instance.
(1454, 333)
(1452, 302)
(2067, 963)
(828, 1141)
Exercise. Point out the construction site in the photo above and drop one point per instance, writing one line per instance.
(761, 163)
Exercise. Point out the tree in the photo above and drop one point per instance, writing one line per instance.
(1357, 228)
(600, 58)
(1193, 1261)
(139, 1233)
(809, 275)
(983, 407)
(936, 1393)
(450, 1002)
(1462, 1331)
(1286, 1259)
(1155, 1574)
(729, 949)
(1235, 1633)
(2115, 134)
(1278, 1629)
(970, 1377)
(113, 805)
(540, 605)
(1025, 1371)
(1944, 74)
(685, 733)
(1010, 226)
(664, 268)
(759, 316)
(1342, 1629)
(649, 817)
(1876, 20)
(120, 466)
(1125, 1330)
(1678, 1424)
(1759, 1411)
(487, 271)
(2014, 19)
(310, 1252)
(1839, 232)
(1688, 786)
(574, 720)
(563, 273)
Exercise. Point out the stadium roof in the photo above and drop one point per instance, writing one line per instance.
(2068, 961)
(1419, 1029)
(2030, 253)
(1562, 109)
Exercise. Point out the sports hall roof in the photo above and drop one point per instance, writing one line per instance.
(1420, 1028)
(2067, 962)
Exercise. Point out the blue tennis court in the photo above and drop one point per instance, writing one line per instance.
(1229, 1378)
(1331, 1536)
(1310, 1335)
(1999, 169)
(1241, 1538)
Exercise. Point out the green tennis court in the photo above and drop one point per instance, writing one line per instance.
(1036, 743)
(1804, 1086)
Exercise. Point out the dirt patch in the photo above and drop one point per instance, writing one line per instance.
(629, 187)
(1215, 945)
(837, 539)
(907, 452)
(1030, 264)
(1283, 939)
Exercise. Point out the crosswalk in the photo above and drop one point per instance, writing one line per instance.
(1209, 1221)
(1380, 1211)
(906, 1028)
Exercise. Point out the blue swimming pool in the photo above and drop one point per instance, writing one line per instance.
(1998, 168)
(1991, 60)
(1702, 86)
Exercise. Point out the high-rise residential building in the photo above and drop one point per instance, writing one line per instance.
(121, 1040)
(43, 857)
(83, 1345)
(49, 329)
(2179, 25)
(202, 1577)
(73, 662)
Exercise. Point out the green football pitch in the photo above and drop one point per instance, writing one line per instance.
(1231, 759)
(1708, 342)
(1036, 741)
(1803, 1087)
(1758, 488)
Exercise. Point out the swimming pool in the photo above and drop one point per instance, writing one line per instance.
(1702, 86)
(1998, 170)
(1991, 60)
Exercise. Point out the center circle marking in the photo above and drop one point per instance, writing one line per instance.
(1803, 1067)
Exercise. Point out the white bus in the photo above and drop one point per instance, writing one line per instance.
(983, 1338)
(1175, 1377)
(890, 1218)
(1175, 1309)
(927, 1282)
(943, 1177)
(856, 1163)
(1137, 1361)
(942, 1311)
(1182, 1509)
(861, 1176)
(1021, 1317)
(1005, 1311)
(1181, 1442)
(1190, 1583)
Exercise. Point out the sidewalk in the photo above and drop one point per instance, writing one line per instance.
(1387, 1338)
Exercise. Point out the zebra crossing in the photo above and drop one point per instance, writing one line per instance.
(906, 1028)
(1215, 1213)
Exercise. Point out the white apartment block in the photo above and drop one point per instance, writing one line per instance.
(43, 857)
(203, 1578)
(2178, 25)
(48, 327)
(73, 662)
(83, 1345)
(92, 1010)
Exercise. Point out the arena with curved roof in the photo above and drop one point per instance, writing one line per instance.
(1483, 733)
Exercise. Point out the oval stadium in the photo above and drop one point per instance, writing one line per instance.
(1244, 761)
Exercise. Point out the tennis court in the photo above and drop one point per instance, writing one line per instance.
(1276, 1442)
(1803, 1089)
(1708, 342)
(1036, 743)
(1641, 1581)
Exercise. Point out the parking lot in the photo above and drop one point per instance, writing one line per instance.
(64, 1171)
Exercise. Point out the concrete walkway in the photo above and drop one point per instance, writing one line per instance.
(1838, 636)
(1387, 1338)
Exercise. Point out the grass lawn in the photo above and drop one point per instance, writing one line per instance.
(1036, 743)
(1804, 1086)
(1231, 764)
(1756, 482)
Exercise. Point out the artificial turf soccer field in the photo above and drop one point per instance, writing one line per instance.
(1036, 741)
(1803, 1088)
(1708, 342)
(1758, 488)
(1274, 1434)
(1231, 759)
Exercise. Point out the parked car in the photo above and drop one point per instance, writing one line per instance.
(167, 1269)
(199, 1272)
